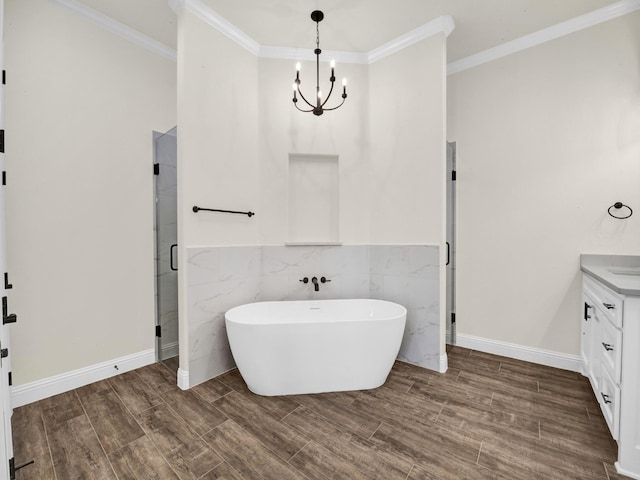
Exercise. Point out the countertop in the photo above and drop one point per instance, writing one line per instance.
(602, 267)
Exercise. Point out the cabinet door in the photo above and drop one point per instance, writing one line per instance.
(595, 355)
(586, 341)
(609, 399)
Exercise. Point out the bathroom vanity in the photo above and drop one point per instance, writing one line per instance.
(610, 348)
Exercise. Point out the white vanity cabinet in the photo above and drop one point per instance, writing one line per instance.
(610, 351)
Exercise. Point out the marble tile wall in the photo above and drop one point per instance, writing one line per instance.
(220, 278)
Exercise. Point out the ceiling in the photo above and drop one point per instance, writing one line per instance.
(359, 25)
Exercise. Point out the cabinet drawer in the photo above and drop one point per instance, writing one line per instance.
(612, 306)
(611, 350)
(610, 302)
(609, 398)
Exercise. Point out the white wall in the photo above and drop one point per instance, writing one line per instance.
(81, 107)
(408, 151)
(343, 132)
(217, 148)
(407, 103)
(547, 139)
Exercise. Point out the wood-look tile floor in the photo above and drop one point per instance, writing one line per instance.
(488, 417)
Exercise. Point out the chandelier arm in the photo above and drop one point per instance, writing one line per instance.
(337, 106)
(328, 96)
(305, 100)
(305, 111)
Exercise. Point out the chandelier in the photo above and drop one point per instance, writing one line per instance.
(318, 108)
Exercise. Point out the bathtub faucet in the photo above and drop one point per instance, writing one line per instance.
(314, 280)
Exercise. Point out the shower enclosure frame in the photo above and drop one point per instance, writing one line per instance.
(165, 251)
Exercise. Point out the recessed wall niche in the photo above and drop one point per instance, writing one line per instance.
(313, 199)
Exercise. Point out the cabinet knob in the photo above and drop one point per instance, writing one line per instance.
(609, 306)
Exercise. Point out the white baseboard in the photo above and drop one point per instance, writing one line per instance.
(626, 473)
(170, 350)
(444, 363)
(48, 387)
(521, 352)
(183, 379)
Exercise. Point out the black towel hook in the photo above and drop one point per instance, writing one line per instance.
(617, 206)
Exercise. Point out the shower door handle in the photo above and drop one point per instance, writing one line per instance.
(448, 253)
(175, 269)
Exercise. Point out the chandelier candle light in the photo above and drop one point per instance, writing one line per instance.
(318, 109)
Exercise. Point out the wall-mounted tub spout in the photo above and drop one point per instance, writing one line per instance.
(316, 285)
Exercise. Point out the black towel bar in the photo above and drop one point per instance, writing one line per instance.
(197, 209)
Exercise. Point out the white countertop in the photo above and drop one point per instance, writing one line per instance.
(618, 272)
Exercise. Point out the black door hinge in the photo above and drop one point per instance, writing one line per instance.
(7, 285)
(158, 331)
(453, 318)
(453, 175)
(4, 178)
(6, 318)
(1, 141)
(10, 379)
(4, 77)
(156, 169)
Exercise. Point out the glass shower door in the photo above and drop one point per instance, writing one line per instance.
(451, 243)
(166, 154)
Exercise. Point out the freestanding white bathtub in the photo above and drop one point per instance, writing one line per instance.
(296, 347)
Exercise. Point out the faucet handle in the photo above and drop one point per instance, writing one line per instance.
(324, 279)
(304, 280)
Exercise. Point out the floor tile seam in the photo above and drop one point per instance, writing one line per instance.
(543, 396)
(159, 451)
(46, 434)
(15, 426)
(131, 414)
(440, 412)
(416, 396)
(496, 382)
(299, 450)
(374, 432)
(292, 411)
(183, 421)
(417, 410)
(487, 434)
(332, 420)
(536, 459)
(193, 389)
(264, 445)
(266, 412)
(106, 456)
(129, 411)
(479, 452)
(212, 469)
(276, 455)
(413, 465)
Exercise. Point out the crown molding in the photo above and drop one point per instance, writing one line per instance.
(443, 24)
(204, 13)
(576, 24)
(118, 28)
(306, 54)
